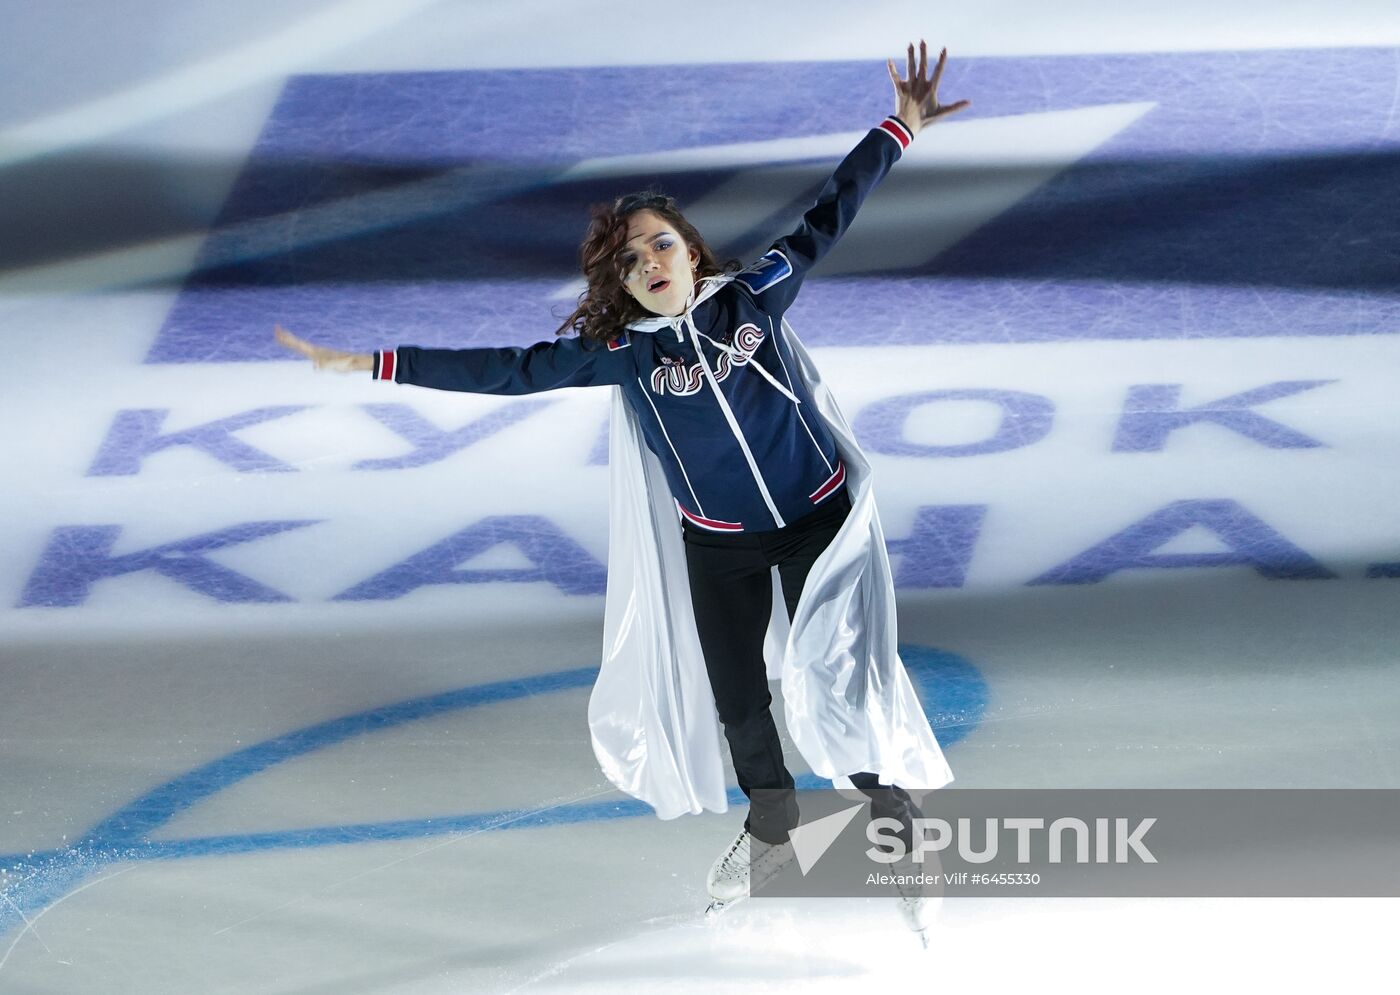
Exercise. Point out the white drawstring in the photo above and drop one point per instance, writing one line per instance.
(729, 417)
(734, 354)
(742, 357)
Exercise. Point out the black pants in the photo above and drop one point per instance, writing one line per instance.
(731, 588)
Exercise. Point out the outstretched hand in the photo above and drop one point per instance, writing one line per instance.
(321, 357)
(916, 99)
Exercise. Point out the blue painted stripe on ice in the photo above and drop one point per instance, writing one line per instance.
(158, 807)
(951, 690)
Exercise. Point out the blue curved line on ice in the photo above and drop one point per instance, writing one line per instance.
(952, 691)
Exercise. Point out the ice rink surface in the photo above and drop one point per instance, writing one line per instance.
(294, 667)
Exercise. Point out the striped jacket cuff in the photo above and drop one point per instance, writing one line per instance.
(386, 363)
(897, 130)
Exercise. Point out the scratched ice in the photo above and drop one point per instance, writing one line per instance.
(294, 668)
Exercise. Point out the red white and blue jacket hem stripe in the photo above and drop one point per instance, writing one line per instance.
(716, 390)
(711, 524)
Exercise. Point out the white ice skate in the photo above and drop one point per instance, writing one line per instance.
(913, 905)
(743, 868)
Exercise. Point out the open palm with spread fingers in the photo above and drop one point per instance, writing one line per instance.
(916, 98)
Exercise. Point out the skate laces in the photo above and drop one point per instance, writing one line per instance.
(748, 853)
(747, 864)
(736, 858)
(905, 873)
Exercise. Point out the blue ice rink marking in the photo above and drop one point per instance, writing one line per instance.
(951, 689)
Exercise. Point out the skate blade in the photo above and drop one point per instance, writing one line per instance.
(719, 906)
(916, 925)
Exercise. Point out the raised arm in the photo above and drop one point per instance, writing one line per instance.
(565, 362)
(777, 275)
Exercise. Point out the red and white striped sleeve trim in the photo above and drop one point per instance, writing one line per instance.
(897, 130)
(713, 524)
(385, 363)
(832, 482)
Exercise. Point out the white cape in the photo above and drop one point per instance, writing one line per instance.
(847, 700)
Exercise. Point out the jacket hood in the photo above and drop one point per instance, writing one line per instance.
(686, 321)
(705, 288)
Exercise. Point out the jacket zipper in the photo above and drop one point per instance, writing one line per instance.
(733, 424)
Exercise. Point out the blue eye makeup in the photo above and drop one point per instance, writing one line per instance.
(661, 245)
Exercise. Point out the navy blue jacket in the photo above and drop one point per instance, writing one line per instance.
(715, 389)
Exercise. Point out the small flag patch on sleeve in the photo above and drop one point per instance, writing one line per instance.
(770, 268)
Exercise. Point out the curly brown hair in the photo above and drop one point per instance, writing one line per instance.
(606, 307)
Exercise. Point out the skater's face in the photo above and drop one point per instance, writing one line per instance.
(658, 268)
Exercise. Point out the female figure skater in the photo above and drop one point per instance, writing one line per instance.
(729, 457)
